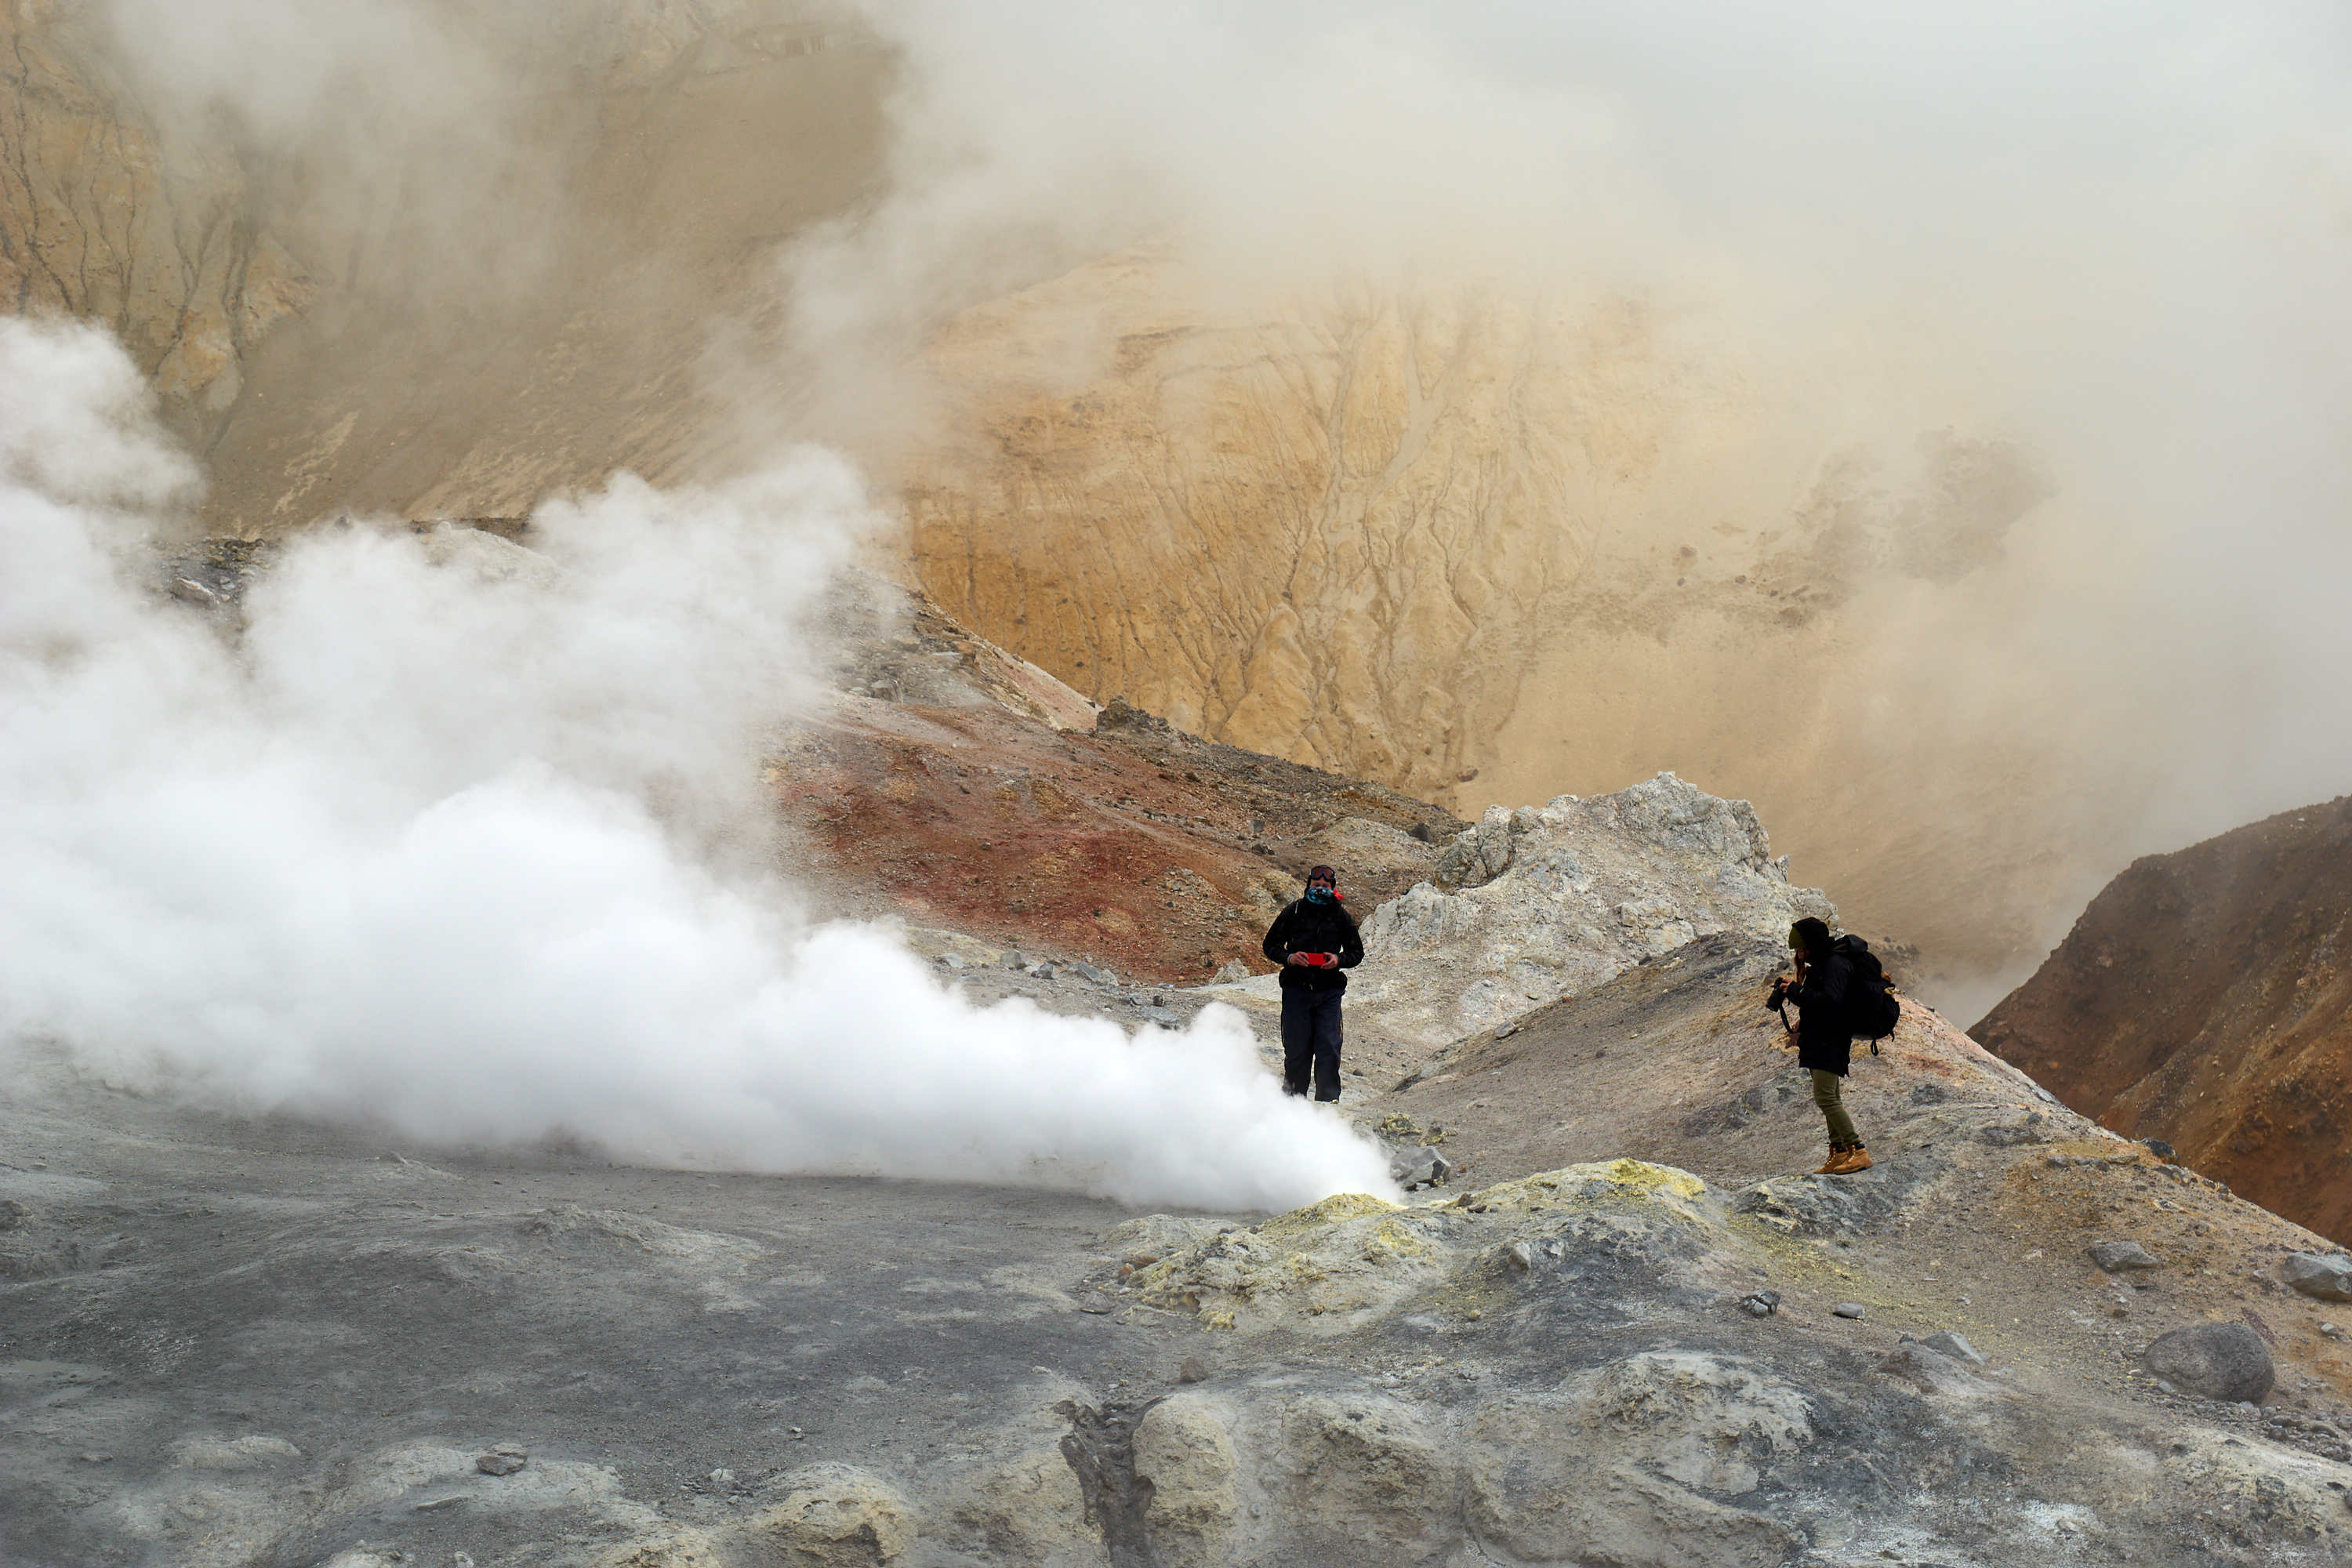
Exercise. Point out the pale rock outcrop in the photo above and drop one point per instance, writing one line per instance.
(1636, 1463)
(833, 1516)
(1365, 1480)
(1183, 1448)
(1545, 902)
(1027, 1509)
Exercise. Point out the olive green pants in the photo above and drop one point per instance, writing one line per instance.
(1828, 1093)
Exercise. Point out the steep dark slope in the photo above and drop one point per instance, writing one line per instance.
(2204, 998)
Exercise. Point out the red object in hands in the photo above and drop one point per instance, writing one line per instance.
(1316, 959)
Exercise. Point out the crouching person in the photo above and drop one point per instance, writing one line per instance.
(1314, 940)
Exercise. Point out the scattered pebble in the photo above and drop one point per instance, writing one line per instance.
(1848, 1310)
(1192, 1370)
(500, 1462)
(1763, 1304)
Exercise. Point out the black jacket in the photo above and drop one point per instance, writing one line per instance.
(1823, 1037)
(1307, 927)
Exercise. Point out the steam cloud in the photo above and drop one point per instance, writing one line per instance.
(459, 843)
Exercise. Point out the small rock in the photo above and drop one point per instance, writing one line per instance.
(1192, 1370)
(1849, 1309)
(501, 1464)
(1763, 1304)
(193, 592)
(2117, 1257)
(2225, 1362)
(1933, 1372)
(2159, 1148)
(1092, 975)
(1930, 1094)
(1518, 1256)
(1420, 1167)
(1044, 971)
(722, 1481)
(1950, 1344)
(2318, 1275)
(1231, 969)
(1163, 1017)
(1013, 959)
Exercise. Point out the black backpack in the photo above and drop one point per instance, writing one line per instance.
(1871, 1009)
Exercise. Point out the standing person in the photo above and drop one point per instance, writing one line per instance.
(1824, 1036)
(1314, 940)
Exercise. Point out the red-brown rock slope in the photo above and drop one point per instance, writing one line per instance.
(2205, 998)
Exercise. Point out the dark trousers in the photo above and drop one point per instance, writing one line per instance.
(1311, 1033)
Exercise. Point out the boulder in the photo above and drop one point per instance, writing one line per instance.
(2227, 1362)
(2317, 1274)
(1538, 902)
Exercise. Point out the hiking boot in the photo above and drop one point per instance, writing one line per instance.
(1835, 1165)
(1857, 1158)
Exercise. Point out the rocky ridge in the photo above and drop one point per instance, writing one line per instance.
(2204, 998)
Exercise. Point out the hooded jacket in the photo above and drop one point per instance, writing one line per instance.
(1823, 1038)
(1308, 927)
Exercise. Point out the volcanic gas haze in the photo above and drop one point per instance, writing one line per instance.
(1897, 419)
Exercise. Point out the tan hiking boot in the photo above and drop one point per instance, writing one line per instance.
(1856, 1158)
(1836, 1164)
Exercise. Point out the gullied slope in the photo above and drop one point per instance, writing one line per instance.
(459, 293)
(1330, 531)
(2205, 998)
(1487, 546)
(101, 217)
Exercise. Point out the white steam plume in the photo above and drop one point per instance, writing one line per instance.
(448, 847)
